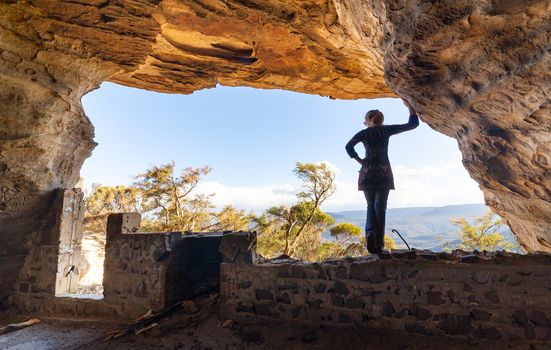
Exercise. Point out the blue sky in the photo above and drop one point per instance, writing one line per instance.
(252, 139)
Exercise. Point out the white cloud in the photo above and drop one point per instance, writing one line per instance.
(249, 197)
(436, 185)
(332, 166)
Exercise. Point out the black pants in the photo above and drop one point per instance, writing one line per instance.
(375, 221)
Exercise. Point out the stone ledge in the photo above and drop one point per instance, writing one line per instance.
(414, 255)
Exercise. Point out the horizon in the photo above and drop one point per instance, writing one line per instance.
(424, 207)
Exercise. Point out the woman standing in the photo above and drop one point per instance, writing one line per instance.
(375, 178)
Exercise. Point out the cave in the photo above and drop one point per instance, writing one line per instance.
(477, 71)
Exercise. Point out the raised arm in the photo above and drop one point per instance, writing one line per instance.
(350, 146)
(412, 123)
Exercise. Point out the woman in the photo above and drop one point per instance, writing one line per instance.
(375, 178)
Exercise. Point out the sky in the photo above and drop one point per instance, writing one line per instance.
(252, 138)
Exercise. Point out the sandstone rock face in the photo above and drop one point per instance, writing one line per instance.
(478, 71)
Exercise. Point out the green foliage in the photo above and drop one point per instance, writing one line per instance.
(483, 234)
(318, 182)
(347, 236)
(390, 243)
(280, 226)
(349, 241)
(231, 219)
(166, 202)
(328, 250)
(105, 200)
(169, 198)
(296, 230)
(345, 230)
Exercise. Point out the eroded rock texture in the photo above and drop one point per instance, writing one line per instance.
(478, 71)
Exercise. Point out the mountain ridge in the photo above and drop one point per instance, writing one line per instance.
(422, 227)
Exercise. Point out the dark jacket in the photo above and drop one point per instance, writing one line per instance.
(376, 172)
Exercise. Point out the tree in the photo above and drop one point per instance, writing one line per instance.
(279, 226)
(483, 234)
(166, 201)
(318, 182)
(347, 236)
(296, 230)
(104, 200)
(328, 250)
(308, 243)
(108, 199)
(348, 241)
(390, 243)
(230, 219)
(169, 197)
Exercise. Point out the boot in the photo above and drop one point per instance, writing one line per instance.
(380, 242)
(371, 243)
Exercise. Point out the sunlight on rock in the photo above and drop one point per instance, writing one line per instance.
(93, 252)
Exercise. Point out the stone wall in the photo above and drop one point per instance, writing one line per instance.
(135, 265)
(194, 267)
(151, 271)
(142, 271)
(505, 298)
(36, 282)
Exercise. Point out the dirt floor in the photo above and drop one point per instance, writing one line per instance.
(196, 326)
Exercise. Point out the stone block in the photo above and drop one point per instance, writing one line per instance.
(123, 223)
(337, 300)
(455, 324)
(284, 298)
(241, 307)
(454, 298)
(429, 256)
(538, 318)
(355, 303)
(262, 309)
(341, 272)
(298, 272)
(417, 328)
(263, 294)
(480, 315)
(423, 313)
(487, 333)
(520, 318)
(387, 308)
(470, 259)
(320, 288)
(238, 247)
(404, 254)
(359, 272)
(435, 298)
(344, 318)
(315, 304)
(492, 296)
(362, 273)
(340, 288)
(244, 284)
(296, 311)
